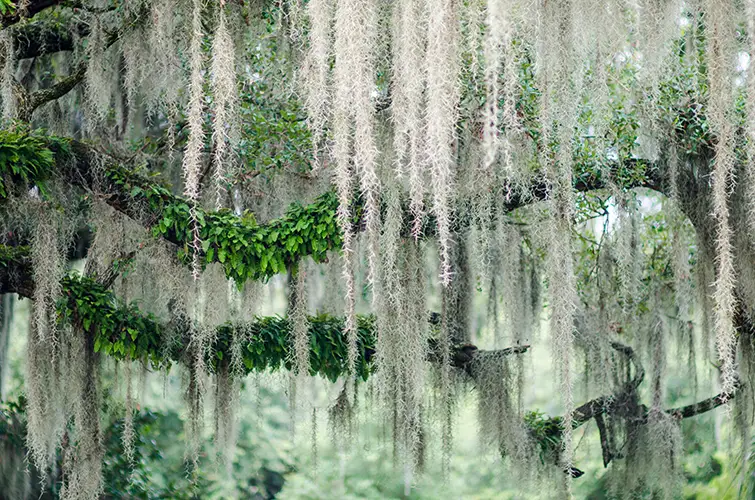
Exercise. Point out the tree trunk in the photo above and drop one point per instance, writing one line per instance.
(6, 318)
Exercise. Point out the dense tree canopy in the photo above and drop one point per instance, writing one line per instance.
(469, 173)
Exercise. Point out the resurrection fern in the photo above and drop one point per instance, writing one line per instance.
(25, 160)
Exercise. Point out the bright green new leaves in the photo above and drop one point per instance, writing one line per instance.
(7, 7)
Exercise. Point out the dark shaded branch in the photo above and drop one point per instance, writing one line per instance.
(45, 36)
(30, 102)
(622, 398)
(604, 442)
(16, 274)
(32, 8)
(703, 406)
(622, 404)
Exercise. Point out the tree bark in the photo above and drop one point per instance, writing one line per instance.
(6, 317)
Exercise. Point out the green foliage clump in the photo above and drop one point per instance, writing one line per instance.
(12, 255)
(7, 7)
(249, 251)
(122, 331)
(119, 330)
(25, 159)
(547, 433)
(245, 249)
(270, 345)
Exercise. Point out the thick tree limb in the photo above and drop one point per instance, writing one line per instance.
(29, 102)
(624, 404)
(604, 442)
(79, 161)
(16, 276)
(703, 406)
(32, 8)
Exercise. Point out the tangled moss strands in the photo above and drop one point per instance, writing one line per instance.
(441, 113)
(7, 76)
(721, 51)
(192, 160)
(225, 103)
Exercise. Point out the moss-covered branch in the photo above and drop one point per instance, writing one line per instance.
(623, 404)
(46, 36)
(123, 331)
(28, 101)
(246, 250)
